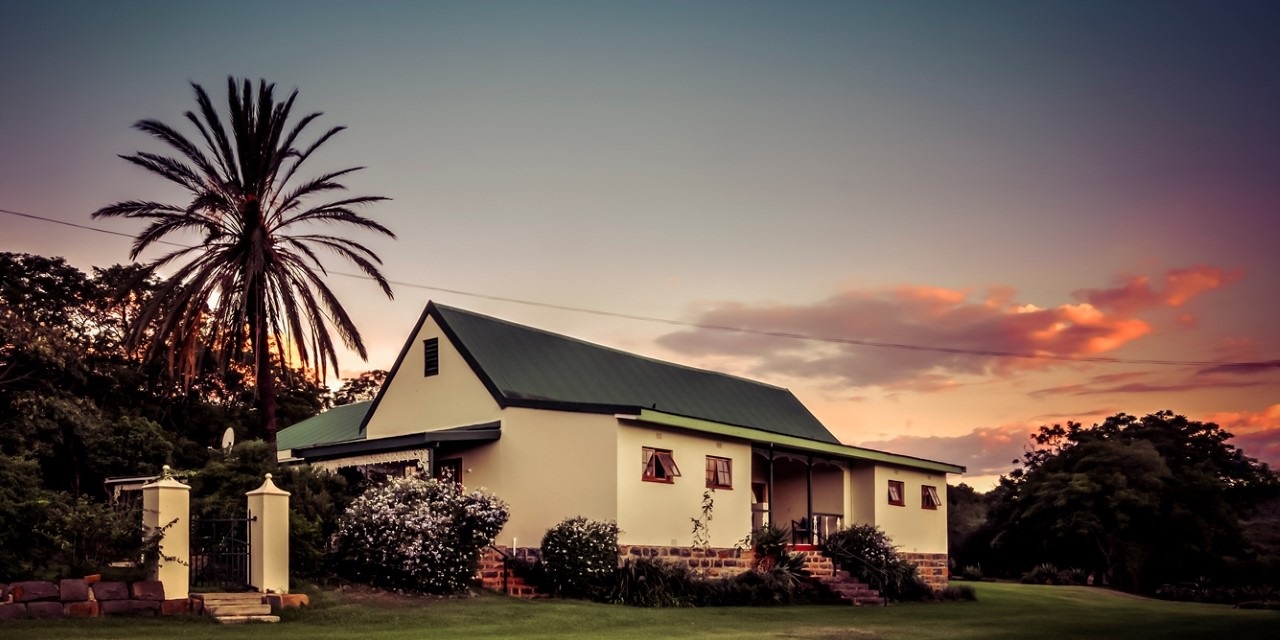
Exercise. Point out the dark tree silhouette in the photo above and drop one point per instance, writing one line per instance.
(252, 290)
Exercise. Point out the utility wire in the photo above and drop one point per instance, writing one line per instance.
(761, 332)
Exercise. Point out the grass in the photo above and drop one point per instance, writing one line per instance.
(1002, 611)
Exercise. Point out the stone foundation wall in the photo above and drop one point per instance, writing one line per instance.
(932, 566)
(709, 563)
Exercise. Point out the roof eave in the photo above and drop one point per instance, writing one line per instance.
(791, 442)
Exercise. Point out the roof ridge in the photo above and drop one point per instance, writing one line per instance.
(608, 348)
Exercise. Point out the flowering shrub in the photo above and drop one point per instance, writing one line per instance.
(417, 534)
(580, 556)
(867, 553)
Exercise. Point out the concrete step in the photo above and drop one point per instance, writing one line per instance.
(244, 596)
(222, 610)
(244, 619)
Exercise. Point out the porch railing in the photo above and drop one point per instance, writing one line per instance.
(816, 529)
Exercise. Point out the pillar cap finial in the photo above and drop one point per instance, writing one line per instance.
(166, 471)
(268, 476)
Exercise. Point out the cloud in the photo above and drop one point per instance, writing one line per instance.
(1243, 368)
(985, 451)
(1179, 286)
(1133, 382)
(936, 321)
(1256, 432)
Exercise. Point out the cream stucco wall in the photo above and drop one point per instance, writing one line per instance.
(655, 513)
(414, 403)
(862, 492)
(548, 466)
(911, 527)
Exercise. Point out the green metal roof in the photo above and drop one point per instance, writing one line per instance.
(528, 367)
(338, 424)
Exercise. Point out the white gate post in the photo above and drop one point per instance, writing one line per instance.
(269, 538)
(166, 504)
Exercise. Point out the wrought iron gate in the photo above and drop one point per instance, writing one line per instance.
(220, 553)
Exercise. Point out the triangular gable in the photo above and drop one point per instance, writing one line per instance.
(411, 401)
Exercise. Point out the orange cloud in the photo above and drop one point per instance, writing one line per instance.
(1257, 433)
(1179, 286)
(943, 321)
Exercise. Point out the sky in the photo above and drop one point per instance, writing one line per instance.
(1069, 179)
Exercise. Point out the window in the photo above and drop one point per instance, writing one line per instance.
(719, 473)
(929, 498)
(659, 466)
(431, 357)
(897, 496)
(450, 469)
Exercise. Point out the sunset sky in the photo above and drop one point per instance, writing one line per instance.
(1075, 179)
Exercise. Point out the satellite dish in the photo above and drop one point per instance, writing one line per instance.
(228, 439)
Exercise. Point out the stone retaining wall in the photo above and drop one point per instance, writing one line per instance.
(932, 566)
(709, 563)
(86, 598)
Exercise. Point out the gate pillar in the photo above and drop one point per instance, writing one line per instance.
(166, 511)
(269, 538)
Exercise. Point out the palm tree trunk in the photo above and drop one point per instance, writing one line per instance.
(266, 381)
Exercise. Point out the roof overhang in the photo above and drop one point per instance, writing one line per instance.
(793, 443)
(486, 432)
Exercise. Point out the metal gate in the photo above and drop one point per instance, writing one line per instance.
(220, 553)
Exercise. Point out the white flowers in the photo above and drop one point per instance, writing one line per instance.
(418, 534)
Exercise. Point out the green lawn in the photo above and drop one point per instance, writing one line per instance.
(1002, 611)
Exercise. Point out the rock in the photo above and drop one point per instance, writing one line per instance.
(85, 609)
(147, 590)
(13, 611)
(73, 590)
(175, 607)
(110, 591)
(144, 607)
(114, 607)
(33, 591)
(44, 609)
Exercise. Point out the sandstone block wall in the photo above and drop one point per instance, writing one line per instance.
(932, 568)
(85, 598)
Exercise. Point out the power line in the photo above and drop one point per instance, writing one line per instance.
(714, 327)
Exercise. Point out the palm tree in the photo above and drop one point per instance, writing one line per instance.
(251, 291)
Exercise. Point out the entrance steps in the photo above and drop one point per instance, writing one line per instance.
(851, 590)
(233, 608)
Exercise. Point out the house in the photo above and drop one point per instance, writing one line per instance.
(560, 427)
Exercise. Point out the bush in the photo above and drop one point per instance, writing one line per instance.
(960, 592)
(580, 557)
(1046, 573)
(417, 534)
(645, 582)
(769, 544)
(866, 552)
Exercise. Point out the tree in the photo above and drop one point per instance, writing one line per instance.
(1138, 501)
(360, 388)
(252, 288)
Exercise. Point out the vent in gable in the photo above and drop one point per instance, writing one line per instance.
(431, 357)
